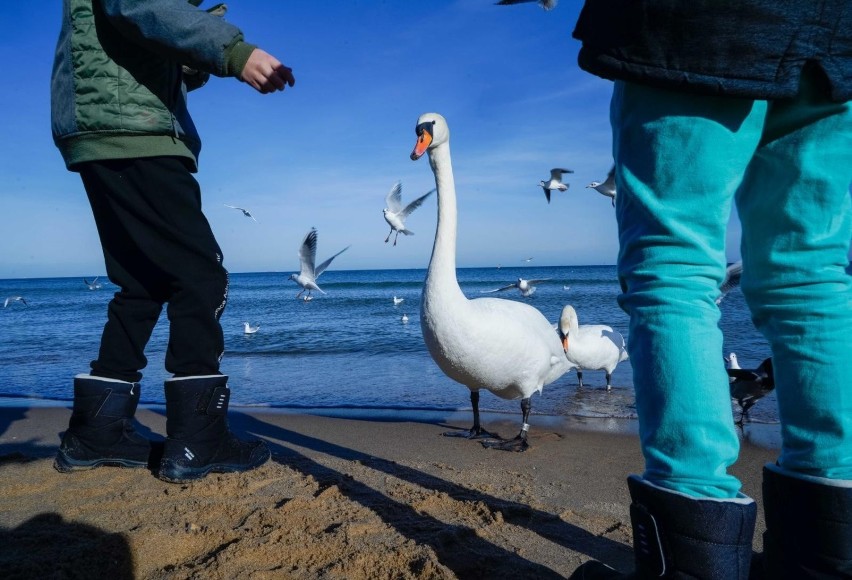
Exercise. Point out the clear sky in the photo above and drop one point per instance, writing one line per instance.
(325, 152)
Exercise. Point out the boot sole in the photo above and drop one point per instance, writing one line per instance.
(64, 464)
(177, 474)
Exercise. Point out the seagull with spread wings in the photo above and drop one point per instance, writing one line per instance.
(395, 214)
(526, 287)
(555, 182)
(607, 186)
(13, 299)
(246, 212)
(308, 273)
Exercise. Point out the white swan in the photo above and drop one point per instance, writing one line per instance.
(249, 329)
(591, 347)
(504, 346)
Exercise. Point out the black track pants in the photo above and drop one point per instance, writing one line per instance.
(159, 249)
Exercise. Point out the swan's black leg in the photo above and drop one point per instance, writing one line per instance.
(519, 443)
(608, 382)
(475, 432)
(580, 377)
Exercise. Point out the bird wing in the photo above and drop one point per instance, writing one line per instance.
(308, 254)
(546, 193)
(321, 268)
(234, 207)
(510, 286)
(394, 198)
(609, 182)
(415, 204)
(556, 173)
(732, 277)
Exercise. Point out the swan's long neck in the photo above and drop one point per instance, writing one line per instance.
(442, 265)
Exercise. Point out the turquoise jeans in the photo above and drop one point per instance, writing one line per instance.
(681, 161)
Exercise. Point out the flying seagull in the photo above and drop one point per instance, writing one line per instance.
(607, 187)
(526, 287)
(733, 273)
(246, 212)
(308, 273)
(555, 182)
(395, 214)
(750, 385)
(93, 285)
(12, 299)
(546, 4)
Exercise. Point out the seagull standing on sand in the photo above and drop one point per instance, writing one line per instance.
(93, 285)
(504, 346)
(308, 273)
(555, 182)
(546, 4)
(607, 187)
(750, 385)
(12, 299)
(526, 287)
(733, 274)
(591, 347)
(246, 212)
(395, 214)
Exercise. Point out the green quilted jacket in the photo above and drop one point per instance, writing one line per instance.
(117, 88)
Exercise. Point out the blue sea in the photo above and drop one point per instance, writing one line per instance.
(345, 349)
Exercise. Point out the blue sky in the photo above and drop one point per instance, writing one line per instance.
(324, 153)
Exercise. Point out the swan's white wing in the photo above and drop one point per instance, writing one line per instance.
(414, 205)
(393, 200)
(321, 268)
(308, 254)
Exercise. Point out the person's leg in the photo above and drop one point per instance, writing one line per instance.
(679, 160)
(160, 248)
(797, 225)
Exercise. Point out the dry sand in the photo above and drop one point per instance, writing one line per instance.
(346, 498)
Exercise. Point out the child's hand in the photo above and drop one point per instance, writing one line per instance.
(265, 73)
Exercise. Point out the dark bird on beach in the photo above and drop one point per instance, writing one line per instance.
(748, 386)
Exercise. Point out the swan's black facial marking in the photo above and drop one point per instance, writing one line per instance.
(425, 126)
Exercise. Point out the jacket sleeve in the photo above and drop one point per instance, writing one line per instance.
(178, 30)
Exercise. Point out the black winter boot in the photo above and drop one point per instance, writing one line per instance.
(677, 536)
(199, 440)
(808, 526)
(100, 431)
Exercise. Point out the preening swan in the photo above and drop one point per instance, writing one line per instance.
(504, 346)
(591, 347)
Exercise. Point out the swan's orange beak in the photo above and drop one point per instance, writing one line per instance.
(565, 343)
(423, 142)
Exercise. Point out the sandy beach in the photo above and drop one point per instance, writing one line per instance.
(355, 498)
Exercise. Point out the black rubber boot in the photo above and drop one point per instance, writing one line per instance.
(808, 526)
(677, 536)
(198, 438)
(100, 431)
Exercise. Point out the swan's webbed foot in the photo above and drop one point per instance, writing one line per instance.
(474, 432)
(517, 444)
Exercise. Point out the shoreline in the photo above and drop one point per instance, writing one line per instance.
(353, 498)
